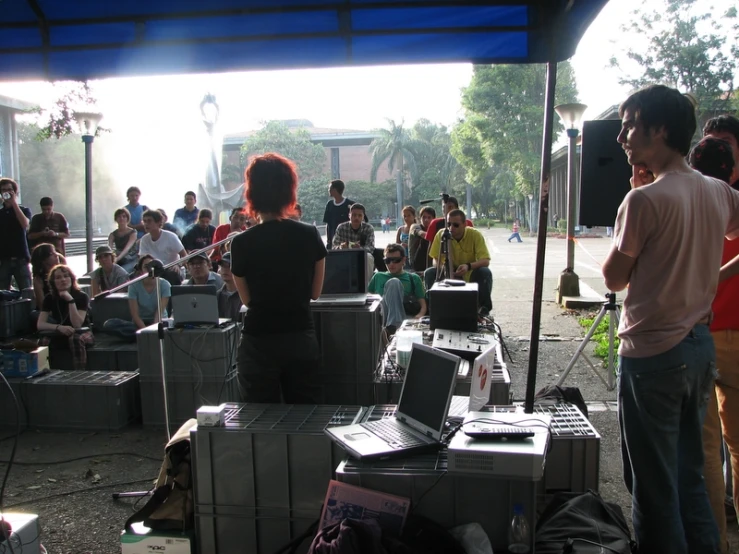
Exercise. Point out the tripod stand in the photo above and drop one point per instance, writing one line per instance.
(614, 315)
(445, 270)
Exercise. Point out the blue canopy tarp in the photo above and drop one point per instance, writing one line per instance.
(92, 39)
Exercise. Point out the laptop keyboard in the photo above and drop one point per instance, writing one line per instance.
(393, 434)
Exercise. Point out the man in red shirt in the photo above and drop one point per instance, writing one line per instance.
(712, 158)
(237, 223)
(447, 206)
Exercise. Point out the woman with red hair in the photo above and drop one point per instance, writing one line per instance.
(278, 267)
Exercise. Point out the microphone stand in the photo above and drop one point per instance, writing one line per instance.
(156, 270)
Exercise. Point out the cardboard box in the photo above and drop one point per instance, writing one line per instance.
(25, 364)
(146, 541)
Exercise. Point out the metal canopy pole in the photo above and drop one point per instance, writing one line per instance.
(541, 241)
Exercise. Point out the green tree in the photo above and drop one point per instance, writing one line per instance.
(56, 168)
(436, 169)
(395, 147)
(688, 47)
(499, 143)
(58, 121)
(294, 144)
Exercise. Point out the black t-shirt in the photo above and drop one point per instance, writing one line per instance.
(278, 258)
(14, 243)
(59, 309)
(196, 237)
(334, 215)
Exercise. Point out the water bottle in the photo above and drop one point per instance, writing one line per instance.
(518, 534)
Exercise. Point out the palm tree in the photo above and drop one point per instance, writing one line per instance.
(395, 146)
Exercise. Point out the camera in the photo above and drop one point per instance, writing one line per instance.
(444, 197)
(6, 196)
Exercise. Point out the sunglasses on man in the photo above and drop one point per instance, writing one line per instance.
(454, 224)
(392, 260)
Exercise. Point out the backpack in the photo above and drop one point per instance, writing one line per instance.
(584, 521)
(557, 394)
(171, 507)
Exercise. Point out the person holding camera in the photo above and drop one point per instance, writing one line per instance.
(14, 220)
(48, 227)
(403, 295)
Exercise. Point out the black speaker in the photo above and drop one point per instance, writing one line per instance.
(604, 173)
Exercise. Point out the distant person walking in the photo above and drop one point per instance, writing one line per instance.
(515, 234)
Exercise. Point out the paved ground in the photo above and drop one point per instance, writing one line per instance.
(48, 481)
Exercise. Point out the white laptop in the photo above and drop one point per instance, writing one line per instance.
(418, 424)
(345, 281)
(194, 305)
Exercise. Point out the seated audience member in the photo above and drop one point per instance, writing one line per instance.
(143, 303)
(123, 241)
(418, 246)
(109, 275)
(200, 273)
(403, 295)
(356, 233)
(470, 257)
(43, 258)
(229, 301)
(236, 224)
(168, 226)
(48, 226)
(64, 315)
(404, 231)
(186, 217)
(201, 234)
(161, 245)
(713, 157)
(450, 204)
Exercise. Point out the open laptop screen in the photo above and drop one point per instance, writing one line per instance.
(428, 386)
(345, 272)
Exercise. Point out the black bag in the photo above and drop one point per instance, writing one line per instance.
(411, 304)
(581, 520)
(557, 394)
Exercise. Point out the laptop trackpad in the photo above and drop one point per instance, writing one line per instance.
(357, 436)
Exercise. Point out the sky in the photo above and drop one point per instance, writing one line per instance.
(158, 118)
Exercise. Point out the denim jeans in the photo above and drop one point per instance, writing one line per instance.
(392, 303)
(122, 328)
(18, 268)
(662, 404)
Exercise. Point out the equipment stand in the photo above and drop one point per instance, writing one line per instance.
(156, 269)
(614, 315)
(445, 270)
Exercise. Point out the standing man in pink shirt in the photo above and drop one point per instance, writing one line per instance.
(666, 249)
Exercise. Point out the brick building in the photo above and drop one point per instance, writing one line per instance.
(347, 151)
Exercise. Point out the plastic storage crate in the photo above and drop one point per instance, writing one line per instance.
(188, 352)
(15, 318)
(573, 463)
(349, 340)
(261, 479)
(449, 500)
(90, 400)
(184, 396)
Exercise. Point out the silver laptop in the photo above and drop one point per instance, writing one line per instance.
(345, 281)
(419, 421)
(194, 305)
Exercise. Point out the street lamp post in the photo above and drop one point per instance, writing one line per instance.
(571, 115)
(531, 213)
(88, 123)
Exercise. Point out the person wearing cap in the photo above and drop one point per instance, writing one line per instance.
(200, 273)
(109, 275)
(229, 301)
